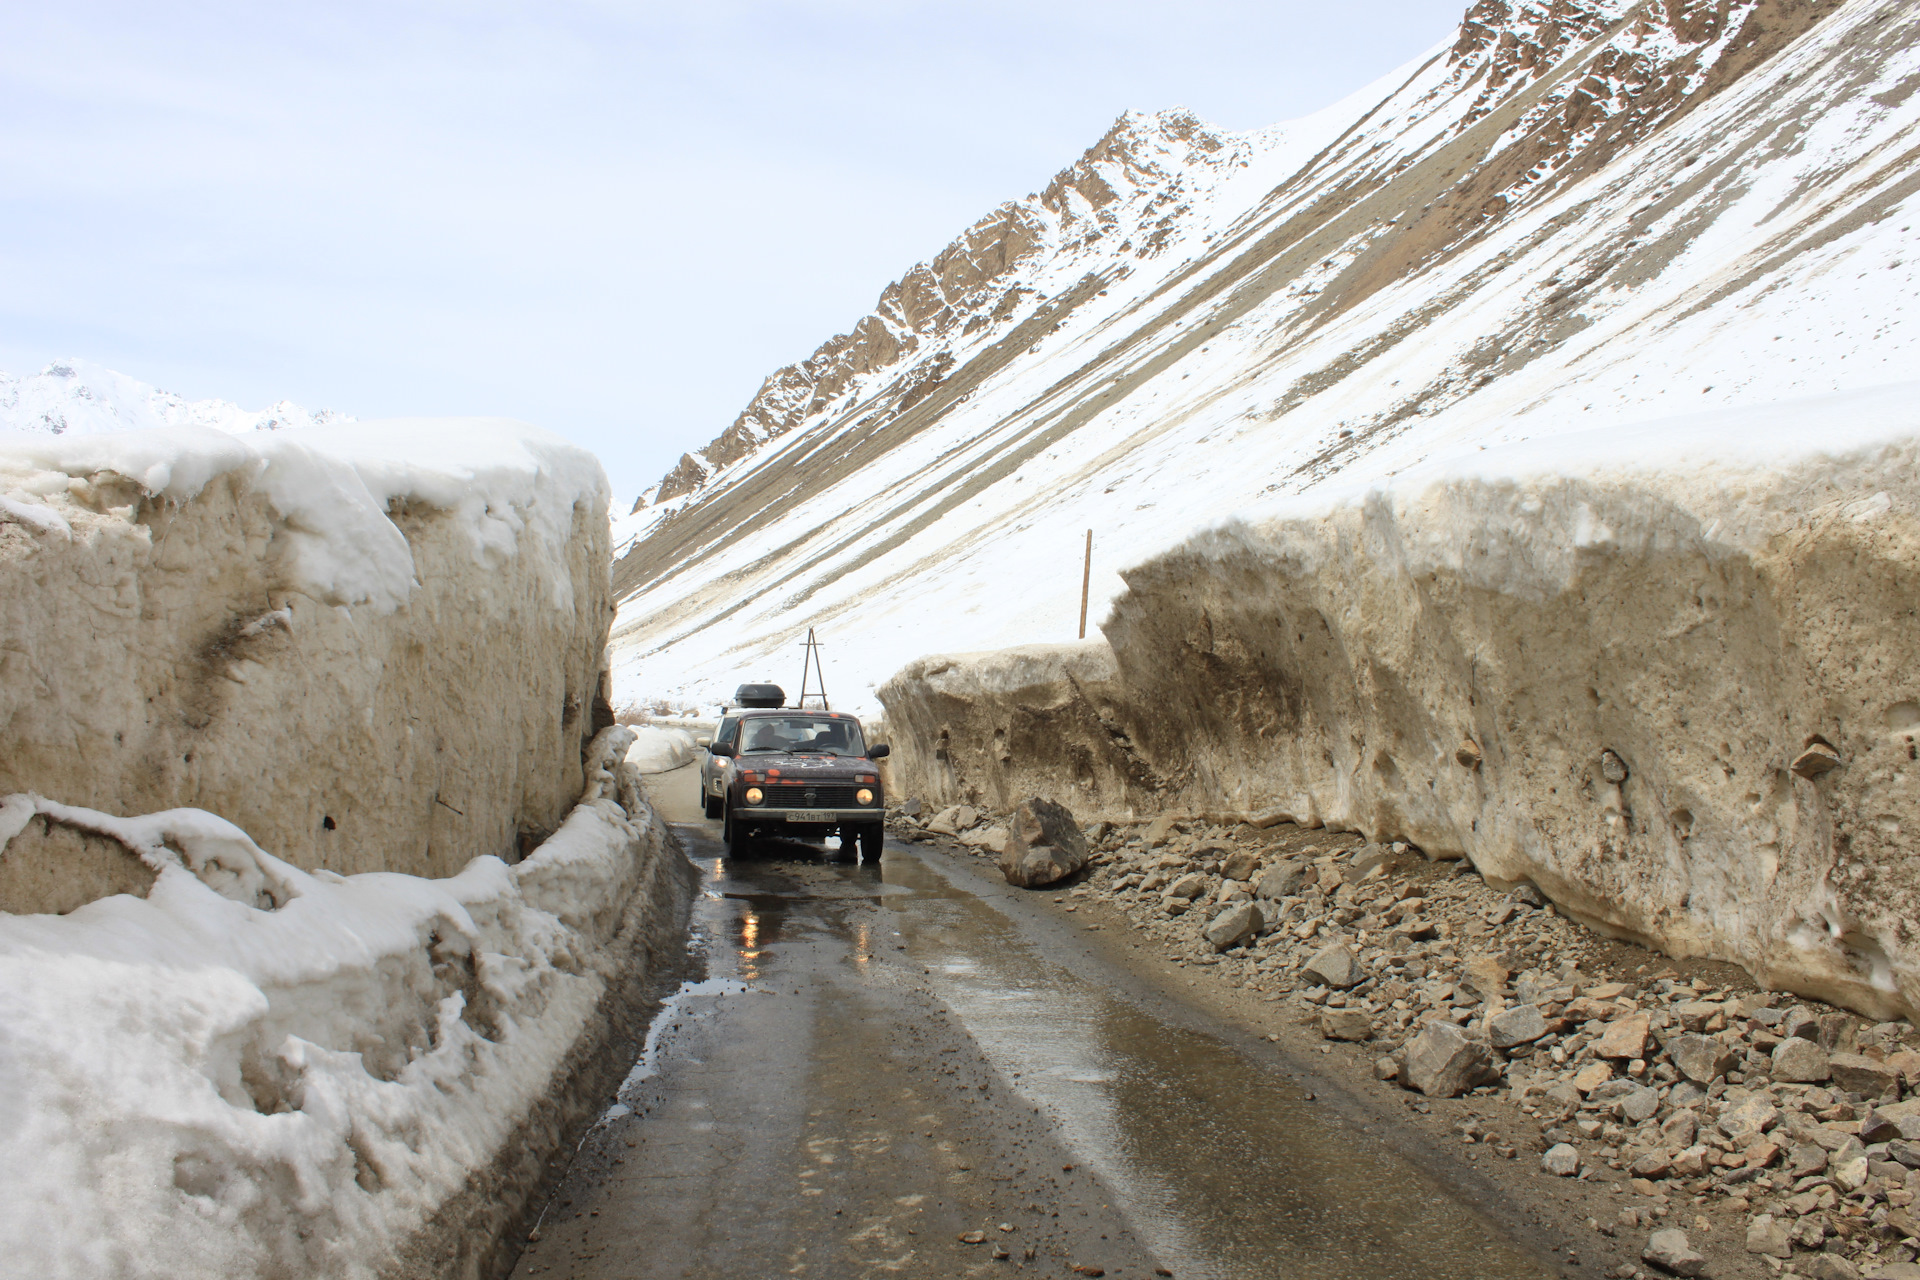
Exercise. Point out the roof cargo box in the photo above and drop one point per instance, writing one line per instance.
(760, 695)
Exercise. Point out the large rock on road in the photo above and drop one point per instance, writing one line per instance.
(1044, 845)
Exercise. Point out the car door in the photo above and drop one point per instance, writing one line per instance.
(714, 769)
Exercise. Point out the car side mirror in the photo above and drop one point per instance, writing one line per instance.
(703, 742)
(879, 751)
(721, 749)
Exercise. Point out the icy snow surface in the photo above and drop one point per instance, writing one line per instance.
(260, 1071)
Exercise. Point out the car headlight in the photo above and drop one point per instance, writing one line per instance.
(755, 795)
(864, 796)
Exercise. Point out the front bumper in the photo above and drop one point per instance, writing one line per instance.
(782, 816)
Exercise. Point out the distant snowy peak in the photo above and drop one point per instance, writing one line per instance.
(1126, 198)
(73, 397)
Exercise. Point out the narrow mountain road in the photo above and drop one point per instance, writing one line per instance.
(910, 1071)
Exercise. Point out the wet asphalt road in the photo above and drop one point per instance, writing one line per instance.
(909, 1071)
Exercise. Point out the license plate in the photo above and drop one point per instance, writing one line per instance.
(808, 815)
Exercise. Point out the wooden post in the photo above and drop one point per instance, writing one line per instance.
(1086, 582)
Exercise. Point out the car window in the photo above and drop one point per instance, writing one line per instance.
(727, 732)
(823, 735)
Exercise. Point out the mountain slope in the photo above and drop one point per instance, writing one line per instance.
(76, 397)
(1573, 214)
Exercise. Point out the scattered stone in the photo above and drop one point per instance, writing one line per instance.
(1839, 1033)
(1679, 1129)
(1800, 1024)
(1625, 1038)
(1690, 1163)
(1159, 831)
(1045, 845)
(1701, 1058)
(1527, 895)
(995, 840)
(1189, 886)
(1798, 1061)
(944, 822)
(1387, 1068)
(1828, 1266)
(1467, 754)
(1654, 1164)
(1817, 759)
(1859, 1074)
(1806, 1159)
(1346, 1024)
(1234, 926)
(1895, 1271)
(1281, 880)
(1748, 1118)
(1875, 1127)
(1240, 866)
(1561, 1160)
(1592, 1076)
(1521, 1024)
(1638, 1104)
(1613, 768)
(1848, 1174)
(1442, 1062)
(1333, 966)
(1669, 1249)
(1363, 862)
(1486, 976)
(1764, 1235)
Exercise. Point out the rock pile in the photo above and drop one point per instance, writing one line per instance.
(1668, 1089)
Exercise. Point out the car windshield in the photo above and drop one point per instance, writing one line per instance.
(824, 735)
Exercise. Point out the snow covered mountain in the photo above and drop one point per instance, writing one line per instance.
(1574, 213)
(76, 397)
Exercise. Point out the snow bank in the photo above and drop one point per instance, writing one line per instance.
(261, 1071)
(656, 750)
(1612, 664)
(374, 646)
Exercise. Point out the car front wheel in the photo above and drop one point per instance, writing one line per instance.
(739, 843)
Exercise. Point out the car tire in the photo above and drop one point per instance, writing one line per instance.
(713, 804)
(739, 843)
(872, 838)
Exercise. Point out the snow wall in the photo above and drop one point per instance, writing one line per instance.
(1669, 674)
(375, 647)
(321, 898)
(259, 1071)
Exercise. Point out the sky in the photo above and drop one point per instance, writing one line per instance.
(611, 219)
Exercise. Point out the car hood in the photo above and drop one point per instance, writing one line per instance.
(805, 766)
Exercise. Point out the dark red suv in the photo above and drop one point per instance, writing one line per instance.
(804, 775)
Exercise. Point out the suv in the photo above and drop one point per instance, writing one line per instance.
(802, 774)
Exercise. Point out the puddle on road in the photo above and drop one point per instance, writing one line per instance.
(676, 1011)
(1224, 1169)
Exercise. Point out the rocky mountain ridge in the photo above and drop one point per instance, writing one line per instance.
(1569, 216)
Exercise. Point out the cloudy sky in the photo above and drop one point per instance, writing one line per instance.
(613, 219)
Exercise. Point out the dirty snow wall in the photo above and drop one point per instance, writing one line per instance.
(366, 660)
(1591, 664)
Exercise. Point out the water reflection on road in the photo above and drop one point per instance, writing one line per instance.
(1224, 1168)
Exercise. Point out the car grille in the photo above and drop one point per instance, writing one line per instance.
(818, 795)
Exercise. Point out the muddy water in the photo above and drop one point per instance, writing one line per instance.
(875, 1063)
